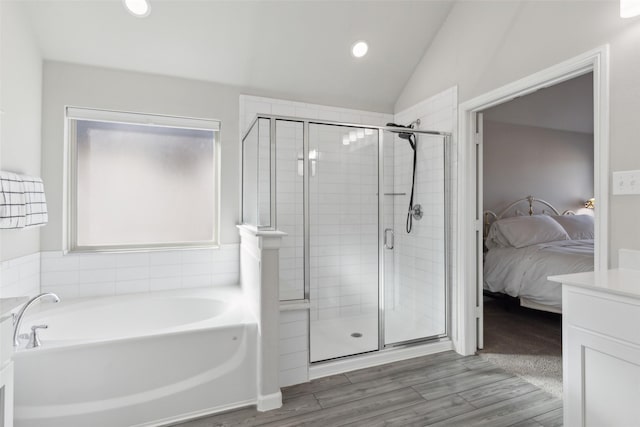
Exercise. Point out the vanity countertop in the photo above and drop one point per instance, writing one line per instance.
(7, 305)
(621, 281)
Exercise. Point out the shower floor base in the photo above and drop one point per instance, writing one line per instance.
(344, 336)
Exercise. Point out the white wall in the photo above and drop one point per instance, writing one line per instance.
(553, 165)
(84, 86)
(484, 45)
(20, 102)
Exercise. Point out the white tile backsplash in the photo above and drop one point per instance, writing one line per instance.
(20, 276)
(98, 274)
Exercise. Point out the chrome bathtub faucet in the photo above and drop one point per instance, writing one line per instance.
(17, 319)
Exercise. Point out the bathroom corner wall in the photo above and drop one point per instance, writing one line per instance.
(294, 345)
(420, 256)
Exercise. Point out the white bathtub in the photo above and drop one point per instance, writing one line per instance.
(142, 359)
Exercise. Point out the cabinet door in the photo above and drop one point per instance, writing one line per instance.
(601, 361)
(603, 381)
(6, 341)
(6, 395)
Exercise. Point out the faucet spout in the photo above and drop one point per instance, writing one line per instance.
(17, 319)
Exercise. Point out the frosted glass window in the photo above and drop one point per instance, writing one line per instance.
(142, 185)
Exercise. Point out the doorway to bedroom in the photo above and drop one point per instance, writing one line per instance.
(536, 189)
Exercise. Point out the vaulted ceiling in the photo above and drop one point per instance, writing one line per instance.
(292, 49)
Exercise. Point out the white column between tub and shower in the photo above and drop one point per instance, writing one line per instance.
(259, 279)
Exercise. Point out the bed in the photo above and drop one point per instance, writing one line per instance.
(523, 249)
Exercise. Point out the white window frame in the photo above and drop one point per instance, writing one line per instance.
(70, 222)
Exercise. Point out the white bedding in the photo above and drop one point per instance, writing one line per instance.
(523, 272)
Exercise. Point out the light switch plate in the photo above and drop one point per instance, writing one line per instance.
(626, 182)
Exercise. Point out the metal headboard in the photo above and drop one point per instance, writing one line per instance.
(490, 217)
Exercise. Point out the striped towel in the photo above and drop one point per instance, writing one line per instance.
(36, 204)
(13, 208)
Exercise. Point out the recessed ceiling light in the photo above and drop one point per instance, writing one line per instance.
(629, 8)
(359, 49)
(139, 8)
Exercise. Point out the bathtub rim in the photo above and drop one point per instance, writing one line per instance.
(237, 314)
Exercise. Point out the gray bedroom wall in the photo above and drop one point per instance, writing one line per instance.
(20, 102)
(553, 165)
(485, 45)
(564, 106)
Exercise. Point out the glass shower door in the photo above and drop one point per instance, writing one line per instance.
(343, 240)
(415, 264)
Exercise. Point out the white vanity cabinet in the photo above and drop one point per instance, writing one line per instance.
(6, 372)
(7, 305)
(601, 348)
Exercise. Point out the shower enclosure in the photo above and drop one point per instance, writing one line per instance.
(341, 192)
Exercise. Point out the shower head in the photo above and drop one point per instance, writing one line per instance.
(403, 135)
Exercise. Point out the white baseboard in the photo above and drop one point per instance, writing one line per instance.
(269, 401)
(197, 414)
(378, 358)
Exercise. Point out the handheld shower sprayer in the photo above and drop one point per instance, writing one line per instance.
(414, 211)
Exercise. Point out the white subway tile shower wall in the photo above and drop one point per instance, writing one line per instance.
(290, 216)
(250, 172)
(252, 105)
(264, 173)
(20, 276)
(344, 224)
(290, 208)
(100, 274)
(420, 256)
(294, 347)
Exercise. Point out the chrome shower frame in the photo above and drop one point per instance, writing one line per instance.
(306, 122)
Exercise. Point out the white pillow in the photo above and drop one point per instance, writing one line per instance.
(521, 231)
(578, 227)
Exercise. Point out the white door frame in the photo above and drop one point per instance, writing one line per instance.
(596, 61)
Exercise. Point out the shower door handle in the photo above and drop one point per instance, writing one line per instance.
(388, 232)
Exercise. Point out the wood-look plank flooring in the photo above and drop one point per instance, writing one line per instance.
(443, 389)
